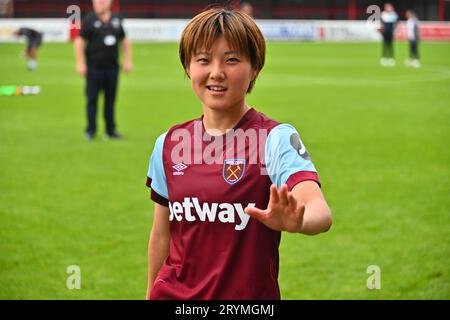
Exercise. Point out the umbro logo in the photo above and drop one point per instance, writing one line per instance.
(179, 169)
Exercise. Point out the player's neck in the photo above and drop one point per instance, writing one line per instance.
(104, 15)
(223, 120)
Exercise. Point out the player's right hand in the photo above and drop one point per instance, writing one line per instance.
(283, 212)
(81, 69)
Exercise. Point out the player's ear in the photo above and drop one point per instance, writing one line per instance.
(255, 72)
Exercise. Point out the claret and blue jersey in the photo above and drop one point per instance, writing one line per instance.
(216, 250)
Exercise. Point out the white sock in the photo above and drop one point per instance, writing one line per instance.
(32, 64)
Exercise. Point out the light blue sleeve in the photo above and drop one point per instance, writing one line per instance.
(156, 168)
(285, 154)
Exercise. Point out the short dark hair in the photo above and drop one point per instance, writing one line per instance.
(239, 30)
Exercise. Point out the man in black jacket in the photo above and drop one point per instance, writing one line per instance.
(97, 55)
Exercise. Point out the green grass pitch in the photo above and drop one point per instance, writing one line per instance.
(378, 136)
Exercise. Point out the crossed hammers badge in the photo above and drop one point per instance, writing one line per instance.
(233, 170)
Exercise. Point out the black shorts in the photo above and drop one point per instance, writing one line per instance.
(34, 42)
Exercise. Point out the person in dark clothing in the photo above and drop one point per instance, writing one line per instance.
(34, 40)
(97, 55)
(413, 35)
(389, 19)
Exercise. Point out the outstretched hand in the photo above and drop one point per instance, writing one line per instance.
(283, 213)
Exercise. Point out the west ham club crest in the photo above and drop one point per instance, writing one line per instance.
(233, 170)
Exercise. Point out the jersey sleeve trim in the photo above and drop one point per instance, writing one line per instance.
(301, 176)
(156, 176)
(286, 155)
(155, 196)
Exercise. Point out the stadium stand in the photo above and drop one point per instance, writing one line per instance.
(436, 10)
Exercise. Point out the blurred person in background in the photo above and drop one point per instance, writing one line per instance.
(6, 9)
(247, 8)
(413, 34)
(34, 40)
(97, 59)
(389, 19)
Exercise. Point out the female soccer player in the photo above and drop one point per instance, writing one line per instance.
(389, 20)
(227, 184)
(413, 35)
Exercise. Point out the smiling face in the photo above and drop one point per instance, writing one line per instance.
(220, 76)
(230, 42)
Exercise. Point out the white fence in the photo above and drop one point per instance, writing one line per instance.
(58, 30)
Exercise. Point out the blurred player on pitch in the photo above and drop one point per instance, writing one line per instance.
(413, 34)
(247, 8)
(34, 40)
(389, 19)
